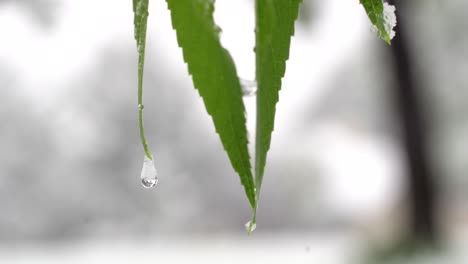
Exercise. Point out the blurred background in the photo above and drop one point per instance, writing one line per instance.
(368, 159)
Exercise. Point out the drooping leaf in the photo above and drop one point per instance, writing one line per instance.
(140, 10)
(214, 75)
(140, 19)
(274, 29)
(382, 16)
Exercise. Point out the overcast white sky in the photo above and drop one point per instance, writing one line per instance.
(83, 27)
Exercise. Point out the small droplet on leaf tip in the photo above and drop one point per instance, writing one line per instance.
(250, 227)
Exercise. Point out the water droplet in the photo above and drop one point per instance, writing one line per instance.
(149, 183)
(249, 88)
(149, 174)
(250, 227)
(374, 29)
(218, 30)
(140, 107)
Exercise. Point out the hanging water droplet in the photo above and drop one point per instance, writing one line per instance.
(250, 227)
(140, 107)
(249, 88)
(149, 174)
(149, 183)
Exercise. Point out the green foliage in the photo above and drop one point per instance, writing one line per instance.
(274, 29)
(214, 75)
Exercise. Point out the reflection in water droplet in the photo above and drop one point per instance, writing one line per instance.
(250, 227)
(149, 183)
(149, 174)
(249, 88)
(140, 107)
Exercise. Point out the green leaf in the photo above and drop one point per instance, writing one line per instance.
(274, 29)
(382, 17)
(214, 75)
(140, 10)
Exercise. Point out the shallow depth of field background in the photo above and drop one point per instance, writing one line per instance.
(70, 155)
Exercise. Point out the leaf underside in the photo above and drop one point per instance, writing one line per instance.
(214, 76)
(375, 10)
(274, 29)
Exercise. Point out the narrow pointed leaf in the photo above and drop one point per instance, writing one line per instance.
(382, 16)
(140, 10)
(214, 75)
(274, 29)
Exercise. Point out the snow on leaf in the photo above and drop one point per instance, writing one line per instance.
(383, 18)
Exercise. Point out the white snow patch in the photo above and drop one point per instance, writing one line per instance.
(390, 19)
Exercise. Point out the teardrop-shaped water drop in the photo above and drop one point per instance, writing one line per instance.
(149, 174)
(249, 88)
(250, 227)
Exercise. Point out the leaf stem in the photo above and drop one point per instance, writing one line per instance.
(141, 19)
(142, 133)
